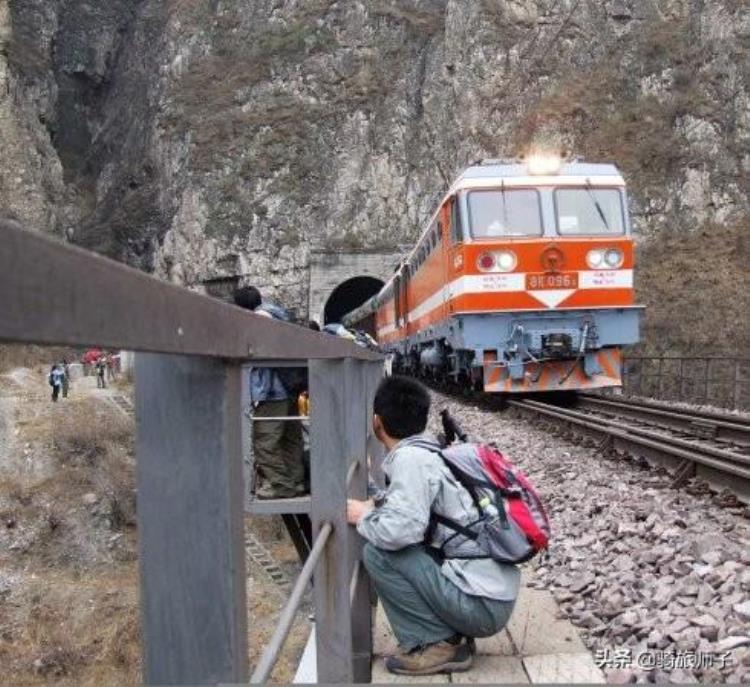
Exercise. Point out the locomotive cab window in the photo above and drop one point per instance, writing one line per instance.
(457, 235)
(505, 212)
(589, 211)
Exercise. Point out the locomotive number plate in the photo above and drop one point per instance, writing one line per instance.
(552, 280)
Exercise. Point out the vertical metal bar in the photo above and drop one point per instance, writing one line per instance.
(737, 384)
(330, 451)
(640, 376)
(681, 395)
(191, 520)
(375, 373)
(361, 617)
(660, 383)
(706, 380)
(246, 406)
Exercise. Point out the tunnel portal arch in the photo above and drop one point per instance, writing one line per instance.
(330, 271)
(349, 295)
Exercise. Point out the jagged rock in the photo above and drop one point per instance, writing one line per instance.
(729, 643)
(681, 676)
(710, 632)
(742, 610)
(677, 627)
(90, 499)
(704, 620)
(655, 639)
(708, 626)
(687, 639)
(581, 582)
(705, 594)
(621, 676)
(714, 557)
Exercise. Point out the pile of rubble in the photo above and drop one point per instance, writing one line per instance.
(656, 577)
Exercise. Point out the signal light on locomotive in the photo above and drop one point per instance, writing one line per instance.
(498, 261)
(605, 257)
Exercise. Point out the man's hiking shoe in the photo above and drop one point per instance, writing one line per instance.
(442, 657)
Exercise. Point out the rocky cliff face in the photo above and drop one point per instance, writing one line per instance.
(199, 138)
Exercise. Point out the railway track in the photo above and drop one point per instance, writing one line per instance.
(722, 427)
(713, 447)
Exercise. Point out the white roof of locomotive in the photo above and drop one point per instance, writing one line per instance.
(517, 174)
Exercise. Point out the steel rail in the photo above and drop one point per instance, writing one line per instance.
(57, 294)
(722, 454)
(271, 653)
(724, 461)
(727, 427)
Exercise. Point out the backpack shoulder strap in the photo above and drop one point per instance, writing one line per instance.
(468, 482)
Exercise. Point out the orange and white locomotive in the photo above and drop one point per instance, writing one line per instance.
(522, 281)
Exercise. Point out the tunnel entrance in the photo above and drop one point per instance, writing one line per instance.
(349, 295)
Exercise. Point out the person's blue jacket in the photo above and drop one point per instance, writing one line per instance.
(265, 384)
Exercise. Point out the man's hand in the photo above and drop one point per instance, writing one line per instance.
(356, 510)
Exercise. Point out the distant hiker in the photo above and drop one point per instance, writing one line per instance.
(439, 590)
(101, 368)
(277, 444)
(111, 367)
(56, 376)
(66, 378)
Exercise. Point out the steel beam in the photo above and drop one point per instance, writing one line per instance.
(54, 293)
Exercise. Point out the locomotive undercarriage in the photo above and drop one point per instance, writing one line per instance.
(538, 351)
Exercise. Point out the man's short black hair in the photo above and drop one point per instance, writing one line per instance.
(403, 405)
(247, 297)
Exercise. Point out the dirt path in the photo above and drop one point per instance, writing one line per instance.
(68, 541)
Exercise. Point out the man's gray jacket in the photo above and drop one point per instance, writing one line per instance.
(419, 483)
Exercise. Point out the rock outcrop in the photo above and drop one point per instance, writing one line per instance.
(188, 137)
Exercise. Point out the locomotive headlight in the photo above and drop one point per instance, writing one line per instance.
(497, 261)
(506, 261)
(543, 163)
(595, 258)
(613, 257)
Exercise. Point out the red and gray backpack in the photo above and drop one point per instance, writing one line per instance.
(512, 526)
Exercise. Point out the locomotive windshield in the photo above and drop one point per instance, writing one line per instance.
(589, 211)
(505, 212)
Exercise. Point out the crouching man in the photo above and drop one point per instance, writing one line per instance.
(439, 589)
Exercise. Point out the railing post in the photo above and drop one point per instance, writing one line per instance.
(332, 397)
(190, 520)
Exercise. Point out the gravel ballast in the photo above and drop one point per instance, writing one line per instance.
(641, 568)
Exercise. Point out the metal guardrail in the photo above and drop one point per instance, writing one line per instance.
(718, 381)
(189, 389)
